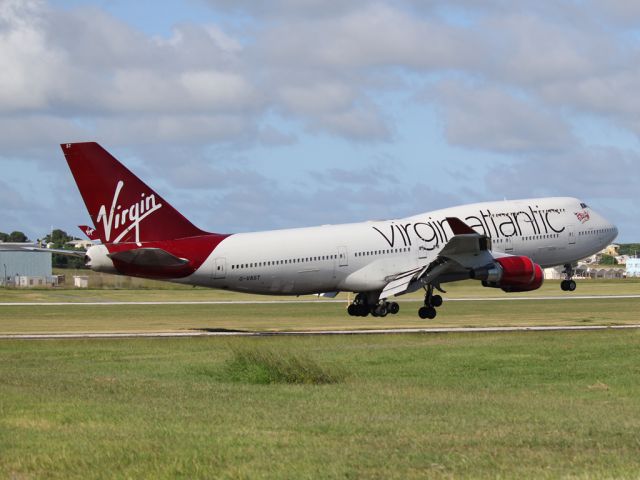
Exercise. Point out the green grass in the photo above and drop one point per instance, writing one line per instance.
(311, 313)
(165, 291)
(263, 365)
(528, 405)
(314, 315)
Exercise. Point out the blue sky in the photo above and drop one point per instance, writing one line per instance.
(321, 111)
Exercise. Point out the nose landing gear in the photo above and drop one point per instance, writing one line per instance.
(431, 301)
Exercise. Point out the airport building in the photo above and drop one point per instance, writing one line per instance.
(26, 269)
(633, 267)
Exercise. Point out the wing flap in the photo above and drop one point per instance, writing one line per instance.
(396, 287)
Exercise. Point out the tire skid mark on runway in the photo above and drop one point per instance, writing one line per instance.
(200, 333)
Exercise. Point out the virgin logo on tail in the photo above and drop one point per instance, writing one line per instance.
(128, 218)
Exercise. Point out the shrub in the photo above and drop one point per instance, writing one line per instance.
(262, 365)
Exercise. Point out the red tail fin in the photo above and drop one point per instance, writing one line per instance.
(122, 207)
(90, 232)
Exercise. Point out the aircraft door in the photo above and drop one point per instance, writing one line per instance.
(571, 232)
(343, 259)
(508, 244)
(220, 268)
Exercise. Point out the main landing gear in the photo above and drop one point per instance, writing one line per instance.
(431, 301)
(568, 284)
(361, 307)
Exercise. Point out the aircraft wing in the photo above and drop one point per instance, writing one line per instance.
(32, 247)
(465, 251)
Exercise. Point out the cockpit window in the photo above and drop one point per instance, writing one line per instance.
(583, 205)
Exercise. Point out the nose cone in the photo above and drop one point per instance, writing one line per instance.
(607, 228)
(614, 234)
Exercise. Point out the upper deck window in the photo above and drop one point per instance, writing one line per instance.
(583, 205)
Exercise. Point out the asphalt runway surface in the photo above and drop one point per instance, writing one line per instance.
(284, 302)
(240, 333)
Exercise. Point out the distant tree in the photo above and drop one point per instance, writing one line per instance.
(59, 239)
(18, 237)
(4, 237)
(629, 249)
(608, 260)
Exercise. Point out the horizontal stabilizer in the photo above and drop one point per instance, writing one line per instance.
(32, 247)
(149, 257)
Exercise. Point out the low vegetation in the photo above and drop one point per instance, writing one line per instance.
(260, 364)
(515, 405)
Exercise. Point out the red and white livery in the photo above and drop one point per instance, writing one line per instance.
(502, 244)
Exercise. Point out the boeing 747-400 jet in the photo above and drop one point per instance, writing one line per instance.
(502, 244)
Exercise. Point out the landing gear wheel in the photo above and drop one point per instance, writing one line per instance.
(380, 310)
(427, 312)
(352, 310)
(568, 284)
(431, 301)
(394, 308)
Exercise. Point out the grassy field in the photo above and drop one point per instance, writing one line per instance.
(310, 316)
(527, 405)
(163, 291)
(312, 313)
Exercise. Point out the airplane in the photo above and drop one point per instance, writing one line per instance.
(503, 244)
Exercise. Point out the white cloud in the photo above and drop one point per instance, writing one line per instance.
(505, 78)
(490, 118)
(30, 71)
(594, 172)
(376, 35)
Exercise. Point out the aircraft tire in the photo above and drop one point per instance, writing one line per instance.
(394, 308)
(436, 301)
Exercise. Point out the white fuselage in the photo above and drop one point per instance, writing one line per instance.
(362, 257)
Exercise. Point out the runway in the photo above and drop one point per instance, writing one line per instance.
(285, 302)
(231, 333)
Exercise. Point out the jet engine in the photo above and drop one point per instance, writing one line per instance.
(511, 274)
(97, 259)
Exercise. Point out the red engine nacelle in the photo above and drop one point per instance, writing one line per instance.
(515, 274)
